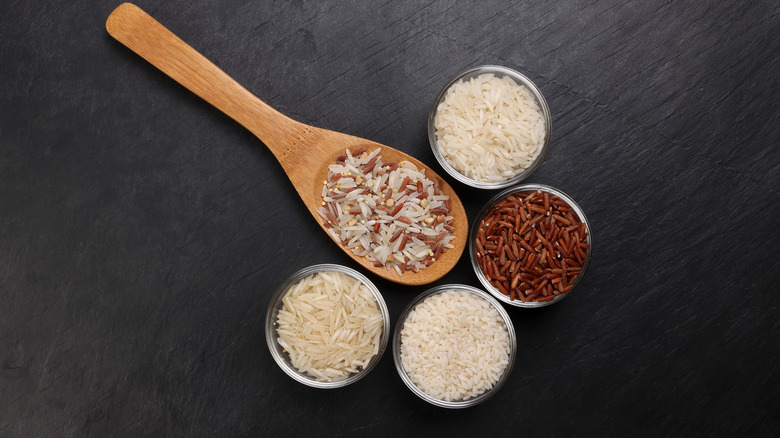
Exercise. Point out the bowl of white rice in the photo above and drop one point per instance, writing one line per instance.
(327, 326)
(454, 346)
(489, 127)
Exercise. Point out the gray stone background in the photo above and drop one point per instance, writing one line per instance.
(142, 232)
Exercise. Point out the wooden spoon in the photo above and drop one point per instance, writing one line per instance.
(303, 151)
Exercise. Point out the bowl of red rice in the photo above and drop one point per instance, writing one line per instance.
(530, 245)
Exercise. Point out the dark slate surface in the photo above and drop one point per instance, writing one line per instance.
(142, 231)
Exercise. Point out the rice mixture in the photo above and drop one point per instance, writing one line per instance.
(330, 325)
(388, 212)
(488, 128)
(454, 345)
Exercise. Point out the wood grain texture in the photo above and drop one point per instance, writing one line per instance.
(142, 232)
(304, 151)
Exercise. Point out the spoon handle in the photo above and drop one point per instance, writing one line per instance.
(148, 38)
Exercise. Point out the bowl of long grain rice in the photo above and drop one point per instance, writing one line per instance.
(327, 326)
(454, 346)
(489, 127)
(530, 245)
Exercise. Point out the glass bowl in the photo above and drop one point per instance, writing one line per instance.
(526, 188)
(498, 71)
(283, 360)
(461, 403)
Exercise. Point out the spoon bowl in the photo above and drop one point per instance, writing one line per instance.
(304, 151)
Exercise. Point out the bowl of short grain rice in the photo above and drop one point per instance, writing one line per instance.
(489, 127)
(327, 326)
(454, 346)
(530, 245)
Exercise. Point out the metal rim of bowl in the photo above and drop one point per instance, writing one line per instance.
(461, 403)
(528, 187)
(276, 303)
(520, 79)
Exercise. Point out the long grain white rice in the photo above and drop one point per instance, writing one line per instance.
(454, 345)
(389, 213)
(489, 128)
(330, 325)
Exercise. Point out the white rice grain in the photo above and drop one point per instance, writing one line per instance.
(489, 128)
(329, 325)
(454, 345)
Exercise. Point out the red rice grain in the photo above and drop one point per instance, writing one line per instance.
(531, 246)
